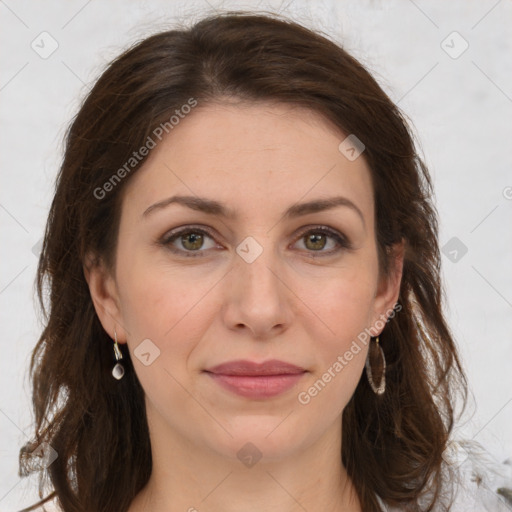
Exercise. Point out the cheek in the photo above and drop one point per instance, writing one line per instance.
(156, 296)
(345, 306)
(170, 311)
(165, 305)
(348, 313)
(340, 355)
(344, 298)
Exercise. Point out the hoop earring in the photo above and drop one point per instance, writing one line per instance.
(376, 368)
(118, 370)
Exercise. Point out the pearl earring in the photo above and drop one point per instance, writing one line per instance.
(118, 370)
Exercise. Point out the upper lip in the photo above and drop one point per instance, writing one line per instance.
(244, 367)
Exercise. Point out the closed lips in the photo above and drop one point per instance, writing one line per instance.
(250, 368)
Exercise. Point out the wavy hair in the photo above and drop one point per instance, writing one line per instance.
(392, 444)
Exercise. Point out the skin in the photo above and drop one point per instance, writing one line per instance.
(258, 159)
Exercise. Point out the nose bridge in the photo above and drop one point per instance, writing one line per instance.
(256, 267)
(256, 297)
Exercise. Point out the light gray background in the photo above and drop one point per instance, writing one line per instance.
(461, 109)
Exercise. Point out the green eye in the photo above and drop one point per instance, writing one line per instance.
(317, 241)
(192, 241)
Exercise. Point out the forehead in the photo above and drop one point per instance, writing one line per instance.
(247, 155)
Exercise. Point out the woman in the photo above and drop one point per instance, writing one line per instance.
(244, 290)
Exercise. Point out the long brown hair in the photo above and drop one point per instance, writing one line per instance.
(392, 444)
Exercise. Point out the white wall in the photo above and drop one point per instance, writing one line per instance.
(461, 108)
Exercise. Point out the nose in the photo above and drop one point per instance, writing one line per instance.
(257, 298)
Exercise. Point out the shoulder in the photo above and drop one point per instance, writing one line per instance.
(475, 481)
(479, 479)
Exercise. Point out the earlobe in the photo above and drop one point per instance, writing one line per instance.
(104, 295)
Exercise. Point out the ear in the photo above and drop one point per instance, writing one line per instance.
(105, 297)
(388, 288)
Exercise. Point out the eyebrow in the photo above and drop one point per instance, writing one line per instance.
(213, 207)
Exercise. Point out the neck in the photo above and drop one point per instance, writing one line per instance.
(187, 477)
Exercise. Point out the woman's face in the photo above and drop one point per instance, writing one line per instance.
(226, 274)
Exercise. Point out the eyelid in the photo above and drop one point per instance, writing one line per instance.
(168, 237)
(342, 240)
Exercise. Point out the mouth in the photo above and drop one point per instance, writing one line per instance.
(256, 380)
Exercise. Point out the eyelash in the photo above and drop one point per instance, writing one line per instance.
(171, 236)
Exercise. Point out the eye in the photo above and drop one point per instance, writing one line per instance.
(317, 239)
(190, 241)
(187, 240)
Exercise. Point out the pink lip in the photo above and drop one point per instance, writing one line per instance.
(256, 380)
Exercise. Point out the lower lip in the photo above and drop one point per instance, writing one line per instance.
(262, 386)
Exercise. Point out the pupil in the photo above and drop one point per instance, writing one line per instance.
(316, 239)
(194, 240)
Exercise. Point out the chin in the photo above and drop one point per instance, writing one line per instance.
(260, 437)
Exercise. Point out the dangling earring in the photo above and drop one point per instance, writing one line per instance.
(118, 370)
(376, 368)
